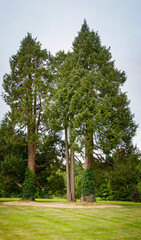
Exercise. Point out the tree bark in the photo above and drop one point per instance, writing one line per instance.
(31, 157)
(72, 176)
(88, 164)
(89, 150)
(67, 166)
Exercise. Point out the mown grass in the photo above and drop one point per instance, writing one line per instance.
(39, 223)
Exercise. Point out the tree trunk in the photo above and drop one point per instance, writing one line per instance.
(72, 176)
(88, 193)
(31, 157)
(88, 150)
(67, 166)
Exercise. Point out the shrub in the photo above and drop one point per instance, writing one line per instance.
(88, 189)
(29, 185)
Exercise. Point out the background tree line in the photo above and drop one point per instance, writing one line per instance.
(68, 107)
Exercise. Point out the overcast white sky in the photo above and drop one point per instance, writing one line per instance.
(56, 22)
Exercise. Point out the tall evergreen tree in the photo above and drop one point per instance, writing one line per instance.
(101, 111)
(89, 102)
(26, 87)
(59, 113)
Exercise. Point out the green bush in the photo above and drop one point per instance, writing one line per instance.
(103, 190)
(29, 185)
(12, 170)
(88, 189)
(78, 181)
(139, 188)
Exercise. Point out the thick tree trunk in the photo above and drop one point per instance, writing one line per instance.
(32, 130)
(29, 185)
(88, 150)
(67, 166)
(88, 181)
(72, 176)
(31, 157)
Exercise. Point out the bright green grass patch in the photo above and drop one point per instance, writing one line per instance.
(59, 199)
(40, 223)
(9, 199)
(122, 203)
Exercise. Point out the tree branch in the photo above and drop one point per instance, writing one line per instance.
(41, 166)
(79, 162)
(19, 185)
(46, 188)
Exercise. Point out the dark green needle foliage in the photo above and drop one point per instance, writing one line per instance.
(11, 173)
(88, 98)
(124, 175)
(26, 84)
(98, 104)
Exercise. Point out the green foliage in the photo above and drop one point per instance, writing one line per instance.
(118, 179)
(125, 174)
(79, 171)
(139, 182)
(27, 86)
(12, 172)
(78, 181)
(13, 152)
(12, 164)
(88, 95)
(2, 192)
(98, 102)
(81, 91)
(29, 185)
(49, 164)
(103, 190)
(88, 187)
(42, 193)
(139, 188)
(11, 140)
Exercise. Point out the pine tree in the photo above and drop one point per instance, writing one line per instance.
(101, 110)
(59, 115)
(89, 103)
(26, 87)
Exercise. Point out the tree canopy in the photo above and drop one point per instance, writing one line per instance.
(76, 95)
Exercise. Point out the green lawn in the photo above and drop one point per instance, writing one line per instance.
(28, 223)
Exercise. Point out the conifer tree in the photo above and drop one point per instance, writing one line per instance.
(89, 102)
(102, 116)
(59, 115)
(26, 87)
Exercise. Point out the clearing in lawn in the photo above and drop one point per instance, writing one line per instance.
(61, 204)
(60, 220)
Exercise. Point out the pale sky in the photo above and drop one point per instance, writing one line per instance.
(55, 23)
